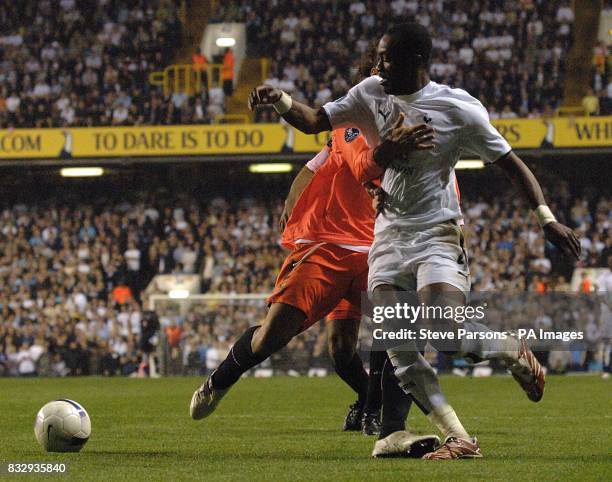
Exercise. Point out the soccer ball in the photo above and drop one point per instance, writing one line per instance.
(62, 426)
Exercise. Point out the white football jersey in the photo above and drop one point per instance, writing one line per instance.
(421, 190)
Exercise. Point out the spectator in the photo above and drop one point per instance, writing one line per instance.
(173, 334)
(216, 102)
(25, 361)
(586, 286)
(122, 294)
(43, 364)
(227, 72)
(199, 61)
(132, 260)
(73, 359)
(590, 103)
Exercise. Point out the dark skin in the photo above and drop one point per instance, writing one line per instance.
(404, 74)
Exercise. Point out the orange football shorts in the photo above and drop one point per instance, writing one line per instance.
(323, 279)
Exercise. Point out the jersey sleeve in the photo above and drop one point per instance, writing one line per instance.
(481, 138)
(317, 161)
(357, 154)
(349, 110)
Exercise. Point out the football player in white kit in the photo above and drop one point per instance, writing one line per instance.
(418, 130)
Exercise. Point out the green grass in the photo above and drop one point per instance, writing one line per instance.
(290, 429)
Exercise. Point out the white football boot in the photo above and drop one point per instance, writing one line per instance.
(205, 400)
(405, 444)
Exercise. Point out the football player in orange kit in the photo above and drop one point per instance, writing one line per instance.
(329, 231)
(300, 224)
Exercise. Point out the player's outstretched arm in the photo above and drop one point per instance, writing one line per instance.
(300, 116)
(558, 234)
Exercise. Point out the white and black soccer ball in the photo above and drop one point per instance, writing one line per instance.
(62, 426)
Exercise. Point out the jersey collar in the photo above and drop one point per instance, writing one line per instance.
(416, 95)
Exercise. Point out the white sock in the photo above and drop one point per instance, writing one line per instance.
(506, 350)
(448, 423)
(417, 377)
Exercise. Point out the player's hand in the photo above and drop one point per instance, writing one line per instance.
(377, 195)
(371, 188)
(564, 238)
(264, 95)
(402, 141)
(410, 138)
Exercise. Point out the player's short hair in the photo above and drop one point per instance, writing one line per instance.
(362, 68)
(411, 37)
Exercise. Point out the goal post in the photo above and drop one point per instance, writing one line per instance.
(156, 300)
(197, 331)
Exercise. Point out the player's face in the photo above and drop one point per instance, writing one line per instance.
(395, 66)
(383, 66)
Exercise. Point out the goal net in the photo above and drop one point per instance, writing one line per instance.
(197, 332)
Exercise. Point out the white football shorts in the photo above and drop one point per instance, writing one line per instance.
(413, 258)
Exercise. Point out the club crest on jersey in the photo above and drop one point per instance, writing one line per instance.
(383, 114)
(351, 134)
(427, 119)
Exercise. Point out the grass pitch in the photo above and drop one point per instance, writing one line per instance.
(290, 429)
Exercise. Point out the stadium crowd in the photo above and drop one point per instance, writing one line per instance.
(509, 54)
(71, 277)
(88, 63)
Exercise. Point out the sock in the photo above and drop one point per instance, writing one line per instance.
(395, 403)
(506, 350)
(417, 377)
(355, 376)
(448, 423)
(239, 359)
(374, 398)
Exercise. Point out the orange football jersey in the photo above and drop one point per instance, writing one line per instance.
(335, 207)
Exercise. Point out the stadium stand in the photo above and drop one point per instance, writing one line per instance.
(510, 55)
(84, 67)
(86, 63)
(72, 276)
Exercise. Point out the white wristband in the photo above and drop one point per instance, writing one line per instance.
(283, 105)
(544, 215)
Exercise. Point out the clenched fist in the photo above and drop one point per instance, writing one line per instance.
(264, 95)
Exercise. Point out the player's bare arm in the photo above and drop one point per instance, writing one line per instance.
(297, 187)
(558, 234)
(300, 116)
